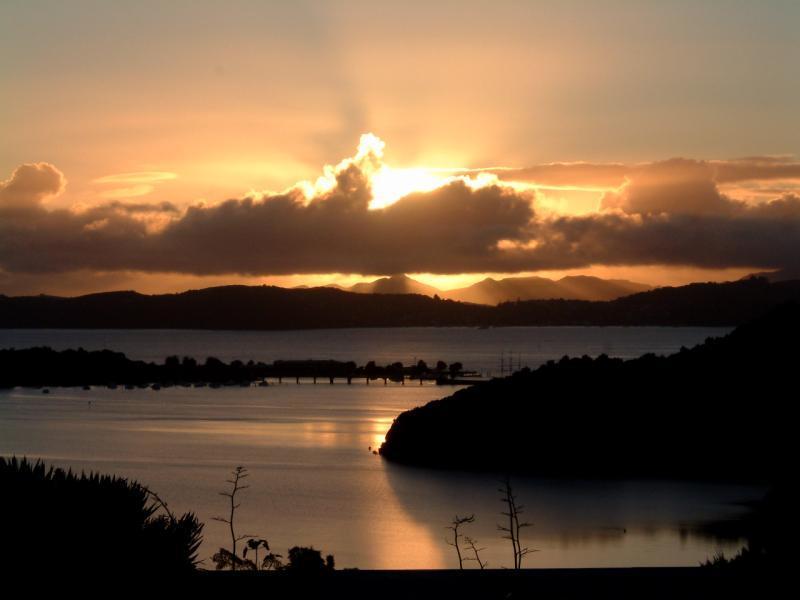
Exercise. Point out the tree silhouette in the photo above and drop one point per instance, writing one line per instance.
(514, 528)
(455, 369)
(229, 558)
(454, 526)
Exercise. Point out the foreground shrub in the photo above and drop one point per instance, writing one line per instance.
(52, 519)
(307, 560)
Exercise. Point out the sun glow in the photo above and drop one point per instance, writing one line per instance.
(389, 184)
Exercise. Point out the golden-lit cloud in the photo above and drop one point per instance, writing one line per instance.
(139, 183)
(137, 177)
(363, 216)
(388, 184)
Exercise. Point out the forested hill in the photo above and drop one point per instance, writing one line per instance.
(722, 410)
(267, 307)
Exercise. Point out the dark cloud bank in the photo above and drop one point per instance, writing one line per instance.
(668, 213)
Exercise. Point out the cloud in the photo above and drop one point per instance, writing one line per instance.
(760, 168)
(613, 175)
(580, 174)
(138, 183)
(664, 213)
(766, 235)
(677, 186)
(29, 184)
(334, 231)
(144, 207)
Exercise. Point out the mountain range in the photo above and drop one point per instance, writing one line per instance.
(494, 291)
(269, 307)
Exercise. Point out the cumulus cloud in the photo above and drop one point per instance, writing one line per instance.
(766, 235)
(677, 186)
(667, 213)
(336, 230)
(29, 184)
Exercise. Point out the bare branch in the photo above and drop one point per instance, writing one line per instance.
(473, 545)
(455, 524)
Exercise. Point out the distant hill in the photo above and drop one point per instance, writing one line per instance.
(268, 307)
(236, 307)
(722, 410)
(779, 275)
(580, 287)
(396, 284)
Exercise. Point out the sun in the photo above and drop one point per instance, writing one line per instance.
(390, 184)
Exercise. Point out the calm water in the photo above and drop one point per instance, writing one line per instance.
(314, 481)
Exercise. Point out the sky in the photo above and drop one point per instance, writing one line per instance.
(162, 146)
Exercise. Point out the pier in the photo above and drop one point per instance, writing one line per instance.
(331, 370)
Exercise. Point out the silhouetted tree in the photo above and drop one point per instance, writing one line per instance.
(230, 558)
(455, 369)
(454, 526)
(513, 530)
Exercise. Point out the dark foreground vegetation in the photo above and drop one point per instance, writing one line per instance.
(103, 533)
(721, 410)
(266, 307)
(38, 367)
(768, 529)
(118, 534)
(52, 520)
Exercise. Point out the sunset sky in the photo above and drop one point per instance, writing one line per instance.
(159, 146)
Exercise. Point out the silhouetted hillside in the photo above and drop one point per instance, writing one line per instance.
(697, 304)
(575, 287)
(266, 307)
(236, 307)
(396, 284)
(720, 410)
